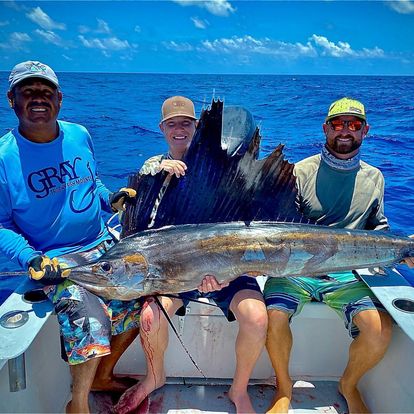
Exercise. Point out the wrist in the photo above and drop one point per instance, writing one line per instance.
(27, 256)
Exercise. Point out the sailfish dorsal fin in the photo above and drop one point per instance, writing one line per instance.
(224, 180)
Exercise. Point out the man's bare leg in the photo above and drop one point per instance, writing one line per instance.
(364, 353)
(154, 340)
(105, 380)
(82, 378)
(279, 345)
(250, 311)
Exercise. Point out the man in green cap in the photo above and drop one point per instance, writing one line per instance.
(335, 188)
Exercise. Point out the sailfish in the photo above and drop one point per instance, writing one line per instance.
(231, 214)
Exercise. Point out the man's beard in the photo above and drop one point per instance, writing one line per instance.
(344, 147)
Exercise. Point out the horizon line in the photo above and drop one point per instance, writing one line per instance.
(227, 74)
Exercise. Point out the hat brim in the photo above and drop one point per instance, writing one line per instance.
(363, 117)
(178, 114)
(38, 76)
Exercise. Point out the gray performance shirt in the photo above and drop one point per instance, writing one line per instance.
(351, 199)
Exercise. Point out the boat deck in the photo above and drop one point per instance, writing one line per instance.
(195, 397)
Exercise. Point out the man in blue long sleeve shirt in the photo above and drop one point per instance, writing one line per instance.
(50, 204)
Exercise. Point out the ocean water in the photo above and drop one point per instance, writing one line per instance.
(122, 111)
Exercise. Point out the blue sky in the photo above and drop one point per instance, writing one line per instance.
(221, 36)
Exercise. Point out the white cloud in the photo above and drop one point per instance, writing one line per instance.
(137, 29)
(20, 37)
(233, 44)
(83, 29)
(107, 44)
(316, 46)
(4, 23)
(250, 45)
(219, 7)
(17, 41)
(50, 37)
(67, 58)
(343, 49)
(329, 48)
(103, 27)
(402, 6)
(92, 43)
(113, 43)
(38, 16)
(178, 47)
(372, 53)
(216, 7)
(199, 23)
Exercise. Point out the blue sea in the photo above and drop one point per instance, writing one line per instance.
(122, 112)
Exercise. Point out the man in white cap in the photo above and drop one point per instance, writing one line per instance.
(239, 300)
(50, 205)
(335, 188)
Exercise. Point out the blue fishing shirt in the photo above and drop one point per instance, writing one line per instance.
(50, 195)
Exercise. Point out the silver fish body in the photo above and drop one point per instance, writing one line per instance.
(176, 258)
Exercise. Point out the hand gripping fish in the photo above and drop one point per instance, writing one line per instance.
(175, 258)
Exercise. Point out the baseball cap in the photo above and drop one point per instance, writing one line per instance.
(346, 106)
(31, 69)
(177, 106)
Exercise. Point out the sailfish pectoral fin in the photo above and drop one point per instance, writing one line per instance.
(320, 252)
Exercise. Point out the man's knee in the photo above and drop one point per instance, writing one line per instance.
(278, 320)
(152, 316)
(255, 322)
(376, 325)
(250, 312)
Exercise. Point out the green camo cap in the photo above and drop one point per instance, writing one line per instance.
(346, 106)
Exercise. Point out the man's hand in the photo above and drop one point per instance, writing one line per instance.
(172, 167)
(117, 200)
(210, 284)
(47, 271)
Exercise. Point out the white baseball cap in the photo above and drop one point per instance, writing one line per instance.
(32, 69)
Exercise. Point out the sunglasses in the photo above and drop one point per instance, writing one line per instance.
(339, 124)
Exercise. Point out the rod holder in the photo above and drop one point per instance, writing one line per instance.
(17, 373)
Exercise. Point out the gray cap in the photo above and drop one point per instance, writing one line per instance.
(32, 69)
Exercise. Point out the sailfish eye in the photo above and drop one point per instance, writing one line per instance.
(106, 266)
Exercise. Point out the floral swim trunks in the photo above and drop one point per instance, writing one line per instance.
(342, 292)
(87, 322)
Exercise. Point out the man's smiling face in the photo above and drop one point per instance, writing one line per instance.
(36, 102)
(344, 135)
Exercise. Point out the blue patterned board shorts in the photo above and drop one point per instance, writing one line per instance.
(343, 292)
(87, 322)
(222, 297)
